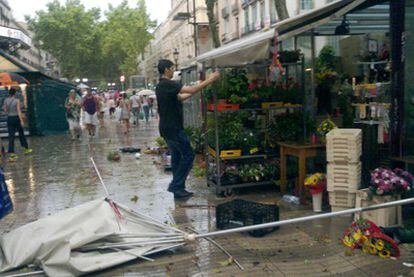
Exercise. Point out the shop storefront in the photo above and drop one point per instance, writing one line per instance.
(409, 80)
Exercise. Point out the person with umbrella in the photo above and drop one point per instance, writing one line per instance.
(15, 121)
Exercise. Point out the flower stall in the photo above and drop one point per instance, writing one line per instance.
(247, 113)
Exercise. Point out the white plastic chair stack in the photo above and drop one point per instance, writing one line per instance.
(343, 149)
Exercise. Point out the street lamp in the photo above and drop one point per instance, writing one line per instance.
(176, 54)
(85, 80)
(77, 80)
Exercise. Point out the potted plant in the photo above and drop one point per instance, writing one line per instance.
(317, 185)
(325, 127)
(286, 127)
(250, 143)
(386, 185)
(231, 175)
(251, 172)
(272, 170)
(385, 181)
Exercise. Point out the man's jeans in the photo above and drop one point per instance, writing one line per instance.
(182, 158)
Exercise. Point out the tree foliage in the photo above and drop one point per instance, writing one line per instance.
(86, 44)
(213, 22)
(124, 36)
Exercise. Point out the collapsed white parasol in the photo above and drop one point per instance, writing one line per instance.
(94, 236)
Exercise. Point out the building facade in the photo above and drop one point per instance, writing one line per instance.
(238, 18)
(174, 38)
(17, 51)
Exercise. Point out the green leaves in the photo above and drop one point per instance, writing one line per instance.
(88, 45)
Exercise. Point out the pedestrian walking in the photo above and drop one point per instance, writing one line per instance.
(15, 121)
(125, 106)
(170, 95)
(135, 107)
(151, 106)
(90, 107)
(101, 116)
(112, 107)
(145, 107)
(73, 112)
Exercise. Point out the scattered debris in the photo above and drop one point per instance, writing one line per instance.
(410, 265)
(227, 262)
(349, 253)
(114, 156)
(323, 239)
(134, 199)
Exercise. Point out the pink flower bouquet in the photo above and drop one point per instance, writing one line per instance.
(385, 181)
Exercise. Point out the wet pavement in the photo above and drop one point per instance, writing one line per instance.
(59, 175)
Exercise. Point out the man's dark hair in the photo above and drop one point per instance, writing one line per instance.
(12, 91)
(163, 65)
(134, 92)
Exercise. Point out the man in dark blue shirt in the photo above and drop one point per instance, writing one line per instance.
(170, 95)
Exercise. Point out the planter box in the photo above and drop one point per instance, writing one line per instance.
(344, 177)
(226, 153)
(386, 217)
(224, 107)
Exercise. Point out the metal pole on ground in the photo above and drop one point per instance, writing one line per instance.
(305, 219)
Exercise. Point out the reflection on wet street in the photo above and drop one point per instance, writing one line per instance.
(59, 175)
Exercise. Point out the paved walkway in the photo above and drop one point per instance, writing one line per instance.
(59, 175)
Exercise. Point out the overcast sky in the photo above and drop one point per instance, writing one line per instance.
(158, 9)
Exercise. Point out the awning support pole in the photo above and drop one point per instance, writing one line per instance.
(313, 85)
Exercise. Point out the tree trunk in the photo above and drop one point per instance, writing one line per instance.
(212, 23)
(281, 9)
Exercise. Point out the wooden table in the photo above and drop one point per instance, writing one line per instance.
(302, 152)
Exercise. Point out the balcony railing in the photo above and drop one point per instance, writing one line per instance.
(225, 12)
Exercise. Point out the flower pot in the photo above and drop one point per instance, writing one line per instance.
(317, 202)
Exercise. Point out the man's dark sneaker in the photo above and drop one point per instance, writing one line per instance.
(182, 194)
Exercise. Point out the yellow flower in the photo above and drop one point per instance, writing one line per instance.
(357, 235)
(384, 254)
(372, 249)
(366, 249)
(379, 244)
(347, 241)
(364, 240)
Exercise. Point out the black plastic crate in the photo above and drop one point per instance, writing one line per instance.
(238, 213)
